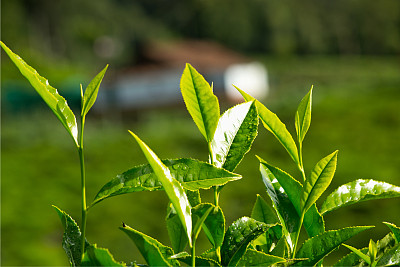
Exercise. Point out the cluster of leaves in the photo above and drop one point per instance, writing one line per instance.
(271, 235)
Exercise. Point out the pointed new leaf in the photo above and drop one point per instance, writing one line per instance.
(91, 92)
(352, 259)
(257, 258)
(284, 208)
(303, 116)
(238, 237)
(192, 174)
(262, 212)
(273, 124)
(200, 101)
(71, 238)
(48, 93)
(235, 133)
(359, 253)
(318, 182)
(358, 191)
(395, 230)
(155, 253)
(172, 187)
(313, 221)
(317, 247)
(95, 256)
(390, 257)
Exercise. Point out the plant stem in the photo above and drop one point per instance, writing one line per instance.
(83, 189)
(297, 236)
(211, 161)
(194, 254)
(301, 167)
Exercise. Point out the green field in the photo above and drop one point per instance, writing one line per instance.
(356, 109)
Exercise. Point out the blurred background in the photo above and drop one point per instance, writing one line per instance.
(349, 51)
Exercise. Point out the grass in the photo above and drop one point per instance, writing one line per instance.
(356, 110)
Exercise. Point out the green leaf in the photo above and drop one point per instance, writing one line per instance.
(95, 256)
(352, 259)
(313, 221)
(91, 92)
(257, 258)
(200, 260)
(391, 257)
(214, 224)
(155, 253)
(238, 237)
(284, 208)
(395, 230)
(317, 247)
(48, 93)
(358, 191)
(71, 238)
(359, 253)
(200, 101)
(172, 187)
(199, 215)
(303, 116)
(176, 231)
(273, 124)
(192, 174)
(235, 133)
(262, 212)
(321, 177)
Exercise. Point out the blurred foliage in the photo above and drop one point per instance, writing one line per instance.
(113, 31)
(355, 110)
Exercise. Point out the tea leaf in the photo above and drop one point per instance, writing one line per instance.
(214, 225)
(395, 230)
(71, 238)
(284, 208)
(95, 256)
(235, 133)
(391, 257)
(262, 212)
(256, 258)
(352, 259)
(313, 221)
(200, 101)
(359, 253)
(172, 187)
(48, 93)
(317, 247)
(91, 92)
(358, 191)
(176, 231)
(200, 260)
(303, 116)
(273, 124)
(238, 237)
(321, 177)
(192, 174)
(155, 253)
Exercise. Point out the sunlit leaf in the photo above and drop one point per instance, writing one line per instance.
(71, 238)
(359, 253)
(235, 133)
(91, 92)
(317, 247)
(192, 174)
(358, 191)
(48, 93)
(238, 237)
(172, 187)
(155, 253)
(319, 180)
(256, 258)
(95, 256)
(313, 221)
(303, 116)
(395, 230)
(273, 124)
(200, 101)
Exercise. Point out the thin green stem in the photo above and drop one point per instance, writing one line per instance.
(194, 254)
(301, 167)
(297, 236)
(83, 189)
(211, 161)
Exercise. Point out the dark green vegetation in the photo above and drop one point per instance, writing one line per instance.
(231, 205)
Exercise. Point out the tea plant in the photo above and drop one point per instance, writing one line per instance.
(270, 236)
